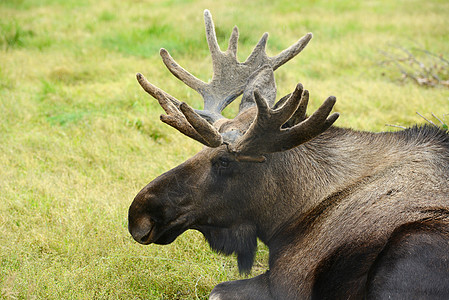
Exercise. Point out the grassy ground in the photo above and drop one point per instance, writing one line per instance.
(79, 138)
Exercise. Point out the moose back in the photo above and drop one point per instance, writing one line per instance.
(345, 214)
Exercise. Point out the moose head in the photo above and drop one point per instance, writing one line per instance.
(229, 191)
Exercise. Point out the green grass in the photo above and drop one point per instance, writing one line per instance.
(79, 138)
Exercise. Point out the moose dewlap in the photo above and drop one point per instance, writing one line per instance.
(345, 214)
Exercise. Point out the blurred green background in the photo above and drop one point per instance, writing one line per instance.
(79, 138)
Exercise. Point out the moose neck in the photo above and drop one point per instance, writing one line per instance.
(324, 166)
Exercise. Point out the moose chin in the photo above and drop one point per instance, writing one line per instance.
(345, 214)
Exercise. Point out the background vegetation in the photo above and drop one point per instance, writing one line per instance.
(79, 138)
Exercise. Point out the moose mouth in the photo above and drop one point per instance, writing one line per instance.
(161, 234)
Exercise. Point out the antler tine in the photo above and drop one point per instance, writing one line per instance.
(233, 41)
(181, 116)
(259, 50)
(319, 121)
(300, 113)
(291, 106)
(204, 128)
(267, 117)
(266, 134)
(154, 90)
(180, 72)
(301, 110)
(311, 127)
(290, 52)
(212, 42)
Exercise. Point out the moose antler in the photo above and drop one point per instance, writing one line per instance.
(266, 135)
(273, 129)
(229, 75)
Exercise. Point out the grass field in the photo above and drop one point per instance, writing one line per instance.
(79, 138)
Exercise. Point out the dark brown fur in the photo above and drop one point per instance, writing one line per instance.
(326, 209)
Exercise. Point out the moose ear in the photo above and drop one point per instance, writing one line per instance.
(263, 81)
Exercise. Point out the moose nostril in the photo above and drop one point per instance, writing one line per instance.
(141, 230)
(144, 239)
(141, 236)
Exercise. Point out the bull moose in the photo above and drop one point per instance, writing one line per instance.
(345, 214)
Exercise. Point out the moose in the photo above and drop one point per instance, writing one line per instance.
(345, 214)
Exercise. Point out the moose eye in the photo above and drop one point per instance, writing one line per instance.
(222, 166)
(223, 162)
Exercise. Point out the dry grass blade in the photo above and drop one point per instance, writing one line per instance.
(443, 124)
(420, 65)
